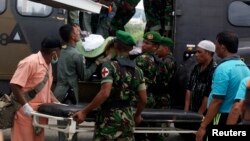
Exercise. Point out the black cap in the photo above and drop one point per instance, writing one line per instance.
(51, 42)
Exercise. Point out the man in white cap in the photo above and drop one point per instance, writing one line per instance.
(199, 85)
(200, 80)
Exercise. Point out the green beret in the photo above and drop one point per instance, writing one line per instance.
(125, 38)
(153, 36)
(167, 41)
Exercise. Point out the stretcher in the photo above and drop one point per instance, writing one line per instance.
(61, 112)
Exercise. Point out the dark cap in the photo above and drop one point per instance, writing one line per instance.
(167, 42)
(51, 42)
(125, 38)
(153, 36)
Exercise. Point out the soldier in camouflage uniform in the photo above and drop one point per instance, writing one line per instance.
(166, 70)
(105, 17)
(125, 11)
(147, 62)
(121, 81)
(158, 15)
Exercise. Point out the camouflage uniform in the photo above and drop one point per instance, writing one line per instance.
(158, 14)
(166, 69)
(115, 119)
(125, 11)
(104, 21)
(147, 62)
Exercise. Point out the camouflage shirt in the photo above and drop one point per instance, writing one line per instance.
(148, 65)
(166, 70)
(147, 62)
(116, 120)
(125, 11)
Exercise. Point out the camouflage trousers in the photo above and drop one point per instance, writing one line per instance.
(115, 125)
(104, 26)
(123, 15)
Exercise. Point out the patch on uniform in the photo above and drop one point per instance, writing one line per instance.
(150, 36)
(105, 72)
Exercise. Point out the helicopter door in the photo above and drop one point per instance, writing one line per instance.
(82, 5)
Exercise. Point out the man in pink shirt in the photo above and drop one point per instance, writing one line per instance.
(29, 73)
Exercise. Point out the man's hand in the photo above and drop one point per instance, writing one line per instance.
(200, 134)
(138, 119)
(27, 109)
(79, 117)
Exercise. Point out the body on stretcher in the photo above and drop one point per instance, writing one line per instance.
(60, 112)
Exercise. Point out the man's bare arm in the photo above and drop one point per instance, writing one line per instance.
(235, 113)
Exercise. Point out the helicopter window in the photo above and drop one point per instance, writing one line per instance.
(239, 13)
(136, 25)
(2, 6)
(29, 8)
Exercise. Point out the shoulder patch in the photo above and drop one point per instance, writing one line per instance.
(105, 72)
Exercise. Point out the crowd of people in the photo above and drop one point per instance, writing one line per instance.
(216, 90)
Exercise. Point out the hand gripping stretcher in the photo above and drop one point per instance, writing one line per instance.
(60, 112)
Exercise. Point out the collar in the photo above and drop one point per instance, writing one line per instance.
(212, 64)
(71, 45)
(231, 57)
(41, 60)
(125, 61)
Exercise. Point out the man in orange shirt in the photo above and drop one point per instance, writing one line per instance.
(29, 73)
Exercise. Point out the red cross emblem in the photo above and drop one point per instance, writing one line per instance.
(105, 72)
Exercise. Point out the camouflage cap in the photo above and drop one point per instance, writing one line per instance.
(167, 42)
(125, 38)
(152, 36)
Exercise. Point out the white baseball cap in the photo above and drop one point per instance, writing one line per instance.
(207, 45)
(92, 42)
